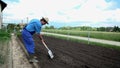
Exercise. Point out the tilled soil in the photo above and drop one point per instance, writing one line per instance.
(70, 54)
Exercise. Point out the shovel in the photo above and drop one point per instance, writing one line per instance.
(49, 51)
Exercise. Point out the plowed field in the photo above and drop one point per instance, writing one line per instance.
(70, 54)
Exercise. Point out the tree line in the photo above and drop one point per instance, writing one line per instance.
(13, 27)
(87, 28)
(17, 27)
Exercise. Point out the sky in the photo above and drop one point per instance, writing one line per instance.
(94, 13)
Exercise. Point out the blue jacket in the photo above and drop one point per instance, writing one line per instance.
(34, 25)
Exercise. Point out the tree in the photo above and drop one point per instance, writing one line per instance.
(46, 27)
(101, 29)
(51, 27)
(10, 27)
(17, 27)
(109, 29)
(116, 29)
(86, 28)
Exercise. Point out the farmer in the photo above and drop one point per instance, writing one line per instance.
(34, 26)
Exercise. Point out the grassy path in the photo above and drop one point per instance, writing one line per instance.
(85, 38)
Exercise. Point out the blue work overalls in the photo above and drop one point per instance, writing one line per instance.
(28, 40)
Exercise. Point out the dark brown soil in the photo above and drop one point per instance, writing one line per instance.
(70, 54)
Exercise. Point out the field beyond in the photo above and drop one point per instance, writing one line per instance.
(114, 36)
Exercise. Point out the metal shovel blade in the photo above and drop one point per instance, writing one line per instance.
(49, 51)
(50, 54)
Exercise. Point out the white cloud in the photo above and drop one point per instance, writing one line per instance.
(93, 11)
(63, 10)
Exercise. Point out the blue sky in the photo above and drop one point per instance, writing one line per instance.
(94, 13)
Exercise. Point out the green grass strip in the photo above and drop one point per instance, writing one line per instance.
(114, 36)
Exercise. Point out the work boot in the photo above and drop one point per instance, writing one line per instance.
(32, 59)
